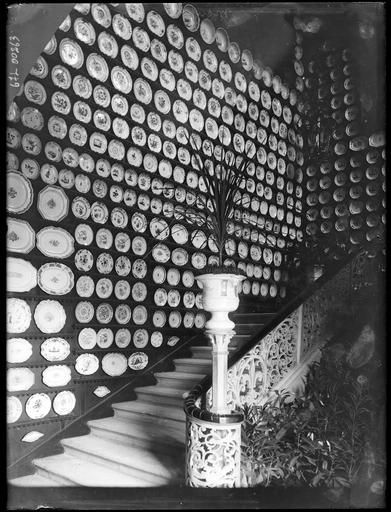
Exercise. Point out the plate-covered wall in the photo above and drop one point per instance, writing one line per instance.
(102, 185)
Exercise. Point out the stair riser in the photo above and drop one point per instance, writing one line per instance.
(193, 368)
(122, 468)
(137, 417)
(247, 329)
(160, 399)
(57, 479)
(155, 413)
(184, 384)
(147, 444)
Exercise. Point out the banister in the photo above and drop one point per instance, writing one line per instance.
(190, 407)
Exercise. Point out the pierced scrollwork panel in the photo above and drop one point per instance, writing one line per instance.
(212, 455)
(264, 365)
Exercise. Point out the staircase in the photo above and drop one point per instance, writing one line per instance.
(143, 443)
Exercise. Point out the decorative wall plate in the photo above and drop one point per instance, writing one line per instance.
(173, 298)
(140, 338)
(101, 14)
(85, 286)
(53, 204)
(104, 337)
(159, 275)
(97, 67)
(18, 315)
(198, 260)
(38, 406)
(139, 245)
(156, 339)
(179, 257)
(64, 403)
(19, 379)
(104, 263)
(84, 31)
(49, 316)
(87, 364)
(188, 278)
(161, 253)
(101, 391)
(55, 349)
(14, 409)
(122, 27)
(138, 361)
(122, 289)
(141, 39)
(19, 350)
(71, 53)
(32, 436)
(55, 278)
(155, 23)
(140, 315)
(175, 36)
(123, 313)
(56, 376)
(104, 313)
(19, 192)
(108, 45)
(114, 364)
(174, 319)
(35, 92)
(21, 275)
(122, 338)
(172, 341)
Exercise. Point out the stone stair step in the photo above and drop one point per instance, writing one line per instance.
(147, 436)
(248, 328)
(34, 480)
(193, 365)
(140, 410)
(202, 352)
(178, 380)
(66, 470)
(158, 469)
(160, 394)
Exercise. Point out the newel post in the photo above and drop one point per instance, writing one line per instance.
(213, 437)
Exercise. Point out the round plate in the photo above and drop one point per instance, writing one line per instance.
(19, 192)
(122, 338)
(38, 406)
(138, 361)
(104, 337)
(55, 278)
(87, 364)
(64, 403)
(114, 364)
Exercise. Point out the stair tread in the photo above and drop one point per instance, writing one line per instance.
(148, 410)
(127, 428)
(33, 480)
(128, 455)
(180, 375)
(86, 473)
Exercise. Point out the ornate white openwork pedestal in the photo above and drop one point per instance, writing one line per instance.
(213, 437)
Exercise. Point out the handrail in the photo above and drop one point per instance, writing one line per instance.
(202, 387)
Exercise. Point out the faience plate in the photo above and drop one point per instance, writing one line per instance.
(64, 403)
(87, 338)
(175, 36)
(161, 253)
(156, 339)
(84, 31)
(140, 338)
(18, 315)
(159, 275)
(19, 379)
(97, 67)
(101, 391)
(122, 338)
(19, 192)
(104, 337)
(19, 350)
(141, 39)
(71, 53)
(55, 349)
(81, 207)
(172, 341)
(20, 236)
(87, 364)
(108, 45)
(35, 92)
(136, 12)
(85, 286)
(179, 257)
(122, 27)
(104, 313)
(53, 204)
(139, 245)
(174, 319)
(140, 315)
(101, 14)
(114, 364)
(138, 361)
(56, 376)
(129, 57)
(155, 23)
(49, 316)
(84, 234)
(32, 436)
(38, 406)
(55, 278)
(173, 10)
(158, 50)
(14, 409)
(122, 289)
(21, 275)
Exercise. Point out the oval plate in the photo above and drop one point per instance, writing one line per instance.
(19, 350)
(55, 242)
(55, 278)
(55, 349)
(21, 275)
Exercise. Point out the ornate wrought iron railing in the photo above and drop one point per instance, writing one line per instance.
(270, 355)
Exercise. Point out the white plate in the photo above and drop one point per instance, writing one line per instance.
(84, 234)
(32, 436)
(101, 391)
(53, 204)
(104, 313)
(140, 315)
(159, 275)
(174, 319)
(87, 364)
(38, 406)
(19, 350)
(84, 312)
(140, 338)
(64, 403)
(14, 409)
(56, 375)
(49, 315)
(139, 245)
(156, 339)
(173, 298)
(19, 379)
(122, 338)
(138, 361)
(114, 364)
(161, 253)
(104, 337)
(122, 289)
(123, 313)
(21, 275)
(87, 338)
(19, 192)
(198, 260)
(122, 27)
(18, 315)
(55, 278)
(55, 349)
(179, 257)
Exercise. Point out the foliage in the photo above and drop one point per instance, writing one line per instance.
(328, 437)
